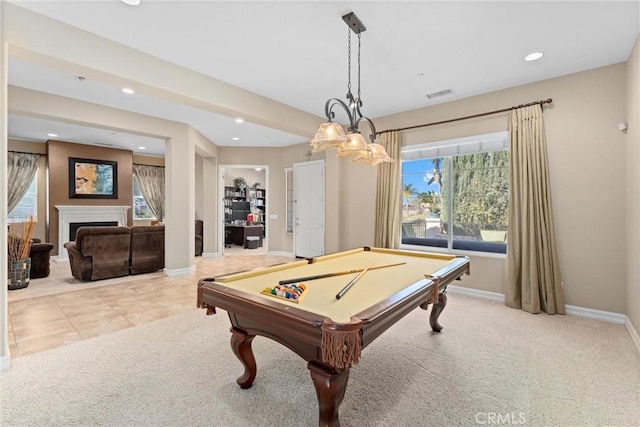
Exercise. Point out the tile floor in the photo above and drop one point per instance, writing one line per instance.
(59, 309)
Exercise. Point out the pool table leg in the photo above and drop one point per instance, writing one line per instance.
(241, 346)
(330, 389)
(436, 310)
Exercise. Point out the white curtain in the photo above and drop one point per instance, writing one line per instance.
(389, 195)
(21, 168)
(151, 183)
(533, 279)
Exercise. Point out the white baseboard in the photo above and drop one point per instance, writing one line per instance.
(591, 313)
(179, 271)
(491, 296)
(210, 255)
(280, 253)
(5, 362)
(632, 331)
(57, 258)
(572, 310)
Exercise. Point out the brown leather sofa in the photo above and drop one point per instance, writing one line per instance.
(40, 255)
(100, 252)
(147, 248)
(106, 252)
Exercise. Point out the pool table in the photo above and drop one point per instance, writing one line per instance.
(330, 333)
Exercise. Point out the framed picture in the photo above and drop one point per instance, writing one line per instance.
(93, 179)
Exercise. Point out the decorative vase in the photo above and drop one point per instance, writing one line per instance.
(18, 274)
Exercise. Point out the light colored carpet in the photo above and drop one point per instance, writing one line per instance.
(490, 363)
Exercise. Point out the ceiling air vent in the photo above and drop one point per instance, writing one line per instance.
(104, 144)
(439, 94)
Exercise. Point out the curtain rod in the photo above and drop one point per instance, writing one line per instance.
(143, 164)
(26, 152)
(541, 103)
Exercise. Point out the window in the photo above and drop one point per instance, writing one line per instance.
(28, 206)
(140, 208)
(466, 180)
(288, 173)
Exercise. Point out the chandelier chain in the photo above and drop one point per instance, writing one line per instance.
(349, 62)
(332, 135)
(358, 66)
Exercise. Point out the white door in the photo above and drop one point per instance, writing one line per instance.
(308, 225)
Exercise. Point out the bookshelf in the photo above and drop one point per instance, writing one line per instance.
(236, 211)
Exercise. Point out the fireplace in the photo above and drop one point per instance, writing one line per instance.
(85, 215)
(73, 226)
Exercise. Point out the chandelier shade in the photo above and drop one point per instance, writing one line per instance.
(355, 145)
(330, 135)
(373, 155)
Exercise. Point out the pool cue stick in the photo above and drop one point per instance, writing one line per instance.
(337, 273)
(353, 281)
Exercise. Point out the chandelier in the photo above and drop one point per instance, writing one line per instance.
(331, 135)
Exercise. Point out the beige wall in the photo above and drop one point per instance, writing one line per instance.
(585, 153)
(58, 165)
(250, 175)
(206, 189)
(301, 153)
(278, 159)
(632, 144)
(181, 145)
(586, 158)
(580, 125)
(230, 156)
(5, 357)
(141, 159)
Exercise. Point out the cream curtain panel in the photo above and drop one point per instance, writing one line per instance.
(533, 276)
(389, 195)
(21, 168)
(151, 183)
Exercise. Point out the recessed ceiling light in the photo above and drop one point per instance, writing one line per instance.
(53, 135)
(131, 2)
(533, 56)
(239, 120)
(258, 169)
(142, 148)
(235, 138)
(128, 90)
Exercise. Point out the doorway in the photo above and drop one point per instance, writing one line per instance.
(243, 209)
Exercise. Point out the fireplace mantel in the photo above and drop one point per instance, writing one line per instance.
(80, 213)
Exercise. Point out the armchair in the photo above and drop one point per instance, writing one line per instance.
(40, 255)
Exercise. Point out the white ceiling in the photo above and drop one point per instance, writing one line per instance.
(295, 52)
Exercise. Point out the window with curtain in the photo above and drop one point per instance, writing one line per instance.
(28, 205)
(149, 187)
(455, 194)
(140, 208)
